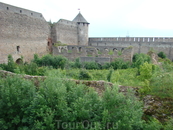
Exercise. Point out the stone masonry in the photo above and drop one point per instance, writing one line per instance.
(25, 33)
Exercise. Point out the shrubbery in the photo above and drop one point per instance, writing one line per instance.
(58, 103)
(140, 59)
(162, 55)
(49, 60)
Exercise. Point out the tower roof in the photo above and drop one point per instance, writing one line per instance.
(79, 18)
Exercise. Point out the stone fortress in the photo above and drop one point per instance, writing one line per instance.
(25, 33)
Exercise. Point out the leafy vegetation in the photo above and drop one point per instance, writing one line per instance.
(60, 102)
(162, 55)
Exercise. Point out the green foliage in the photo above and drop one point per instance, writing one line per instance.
(49, 60)
(60, 101)
(119, 63)
(91, 65)
(162, 55)
(139, 59)
(59, 44)
(119, 53)
(111, 52)
(145, 71)
(11, 64)
(84, 74)
(161, 85)
(109, 75)
(16, 95)
(77, 63)
(123, 112)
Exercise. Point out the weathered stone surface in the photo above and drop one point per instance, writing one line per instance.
(159, 108)
(23, 33)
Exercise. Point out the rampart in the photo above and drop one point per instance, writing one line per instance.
(140, 44)
(22, 33)
(94, 53)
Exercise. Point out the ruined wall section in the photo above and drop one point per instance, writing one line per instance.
(65, 31)
(96, 53)
(22, 35)
(140, 45)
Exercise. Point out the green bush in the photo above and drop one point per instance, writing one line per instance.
(84, 74)
(162, 55)
(140, 59)
(145, 71)
(16, 95)
(119, 63)
(109, 75)
(91, 65)
(49, 60)
(59, 103)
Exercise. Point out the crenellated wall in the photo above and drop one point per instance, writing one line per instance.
(140, 45)
(131, 39)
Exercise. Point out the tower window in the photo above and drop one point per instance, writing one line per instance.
(18, 48)
(31, 13)
(20, 11)
(7, 8)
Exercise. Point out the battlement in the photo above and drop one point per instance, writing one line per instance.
(10, 8)
(131, 39)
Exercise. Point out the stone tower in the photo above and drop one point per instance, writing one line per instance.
(82, 28)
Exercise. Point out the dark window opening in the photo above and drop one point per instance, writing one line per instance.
(19, 61)
(40, 15)
(115, 49)
(80, 49)
(83, 24)
(48, 43)
(7, 8)
(18, 48)
(20, 11)
(31, 13)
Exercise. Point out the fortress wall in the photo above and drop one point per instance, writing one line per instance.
(132, 39)
(10, 8)
(66, 32)
(22, 35)
(140, 45)
(97, 53)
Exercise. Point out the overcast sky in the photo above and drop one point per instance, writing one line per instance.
(109, 18)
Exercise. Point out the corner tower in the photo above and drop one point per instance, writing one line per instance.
(82, 28)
